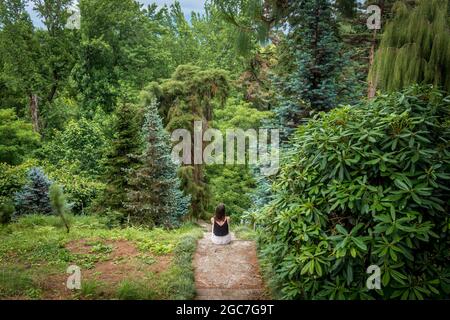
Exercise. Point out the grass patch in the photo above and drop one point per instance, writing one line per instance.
(132, 290)
(179, 281)
(40, 245)
(90, 289)
(16, 282)
(244, 232)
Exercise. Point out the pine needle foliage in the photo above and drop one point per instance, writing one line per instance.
(34, 196)
(190, 95)
(314, 64)
(59, 203)
(154, 197)
(119, 160)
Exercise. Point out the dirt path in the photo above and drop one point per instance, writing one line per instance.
(229, 272)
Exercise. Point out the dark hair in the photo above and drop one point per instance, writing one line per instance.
(220, 212)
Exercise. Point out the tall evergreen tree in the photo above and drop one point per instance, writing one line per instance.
(313, 64)
(189, 96)
(415, 47)
(124, 144)
(154, 195)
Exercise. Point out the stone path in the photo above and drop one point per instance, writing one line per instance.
(229, 272)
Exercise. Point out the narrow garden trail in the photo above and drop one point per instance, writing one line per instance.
(229, 272)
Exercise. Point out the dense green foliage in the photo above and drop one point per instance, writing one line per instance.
(190, 95)
(361, 184)
(81, 189)
(118, 52)
(82, 144)
(154, 196)
(119, 160)
(364, 185)
(13, 178)
(17, 139)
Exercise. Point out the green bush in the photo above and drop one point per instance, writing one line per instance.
(33, 198)
(366, 185)
(13, 178)
(17, 138)
(81, 191)
(82, 142)
(6, 210)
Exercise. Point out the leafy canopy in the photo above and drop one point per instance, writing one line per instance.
(17, 139)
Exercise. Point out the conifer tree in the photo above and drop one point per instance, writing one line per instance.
(154, 195)
(415, 47)
(313, 63)
(59, 203)
(189, 96)
(34, 196)
(124, 144)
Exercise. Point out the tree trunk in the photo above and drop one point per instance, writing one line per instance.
(65, 222)
(54, 87)
(34, 110)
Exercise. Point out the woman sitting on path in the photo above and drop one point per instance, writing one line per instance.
(220, 226)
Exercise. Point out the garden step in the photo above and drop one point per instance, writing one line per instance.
(230, 294)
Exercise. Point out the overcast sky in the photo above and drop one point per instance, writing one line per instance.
(187, 5)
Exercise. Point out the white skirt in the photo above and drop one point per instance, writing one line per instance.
(221, 240)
